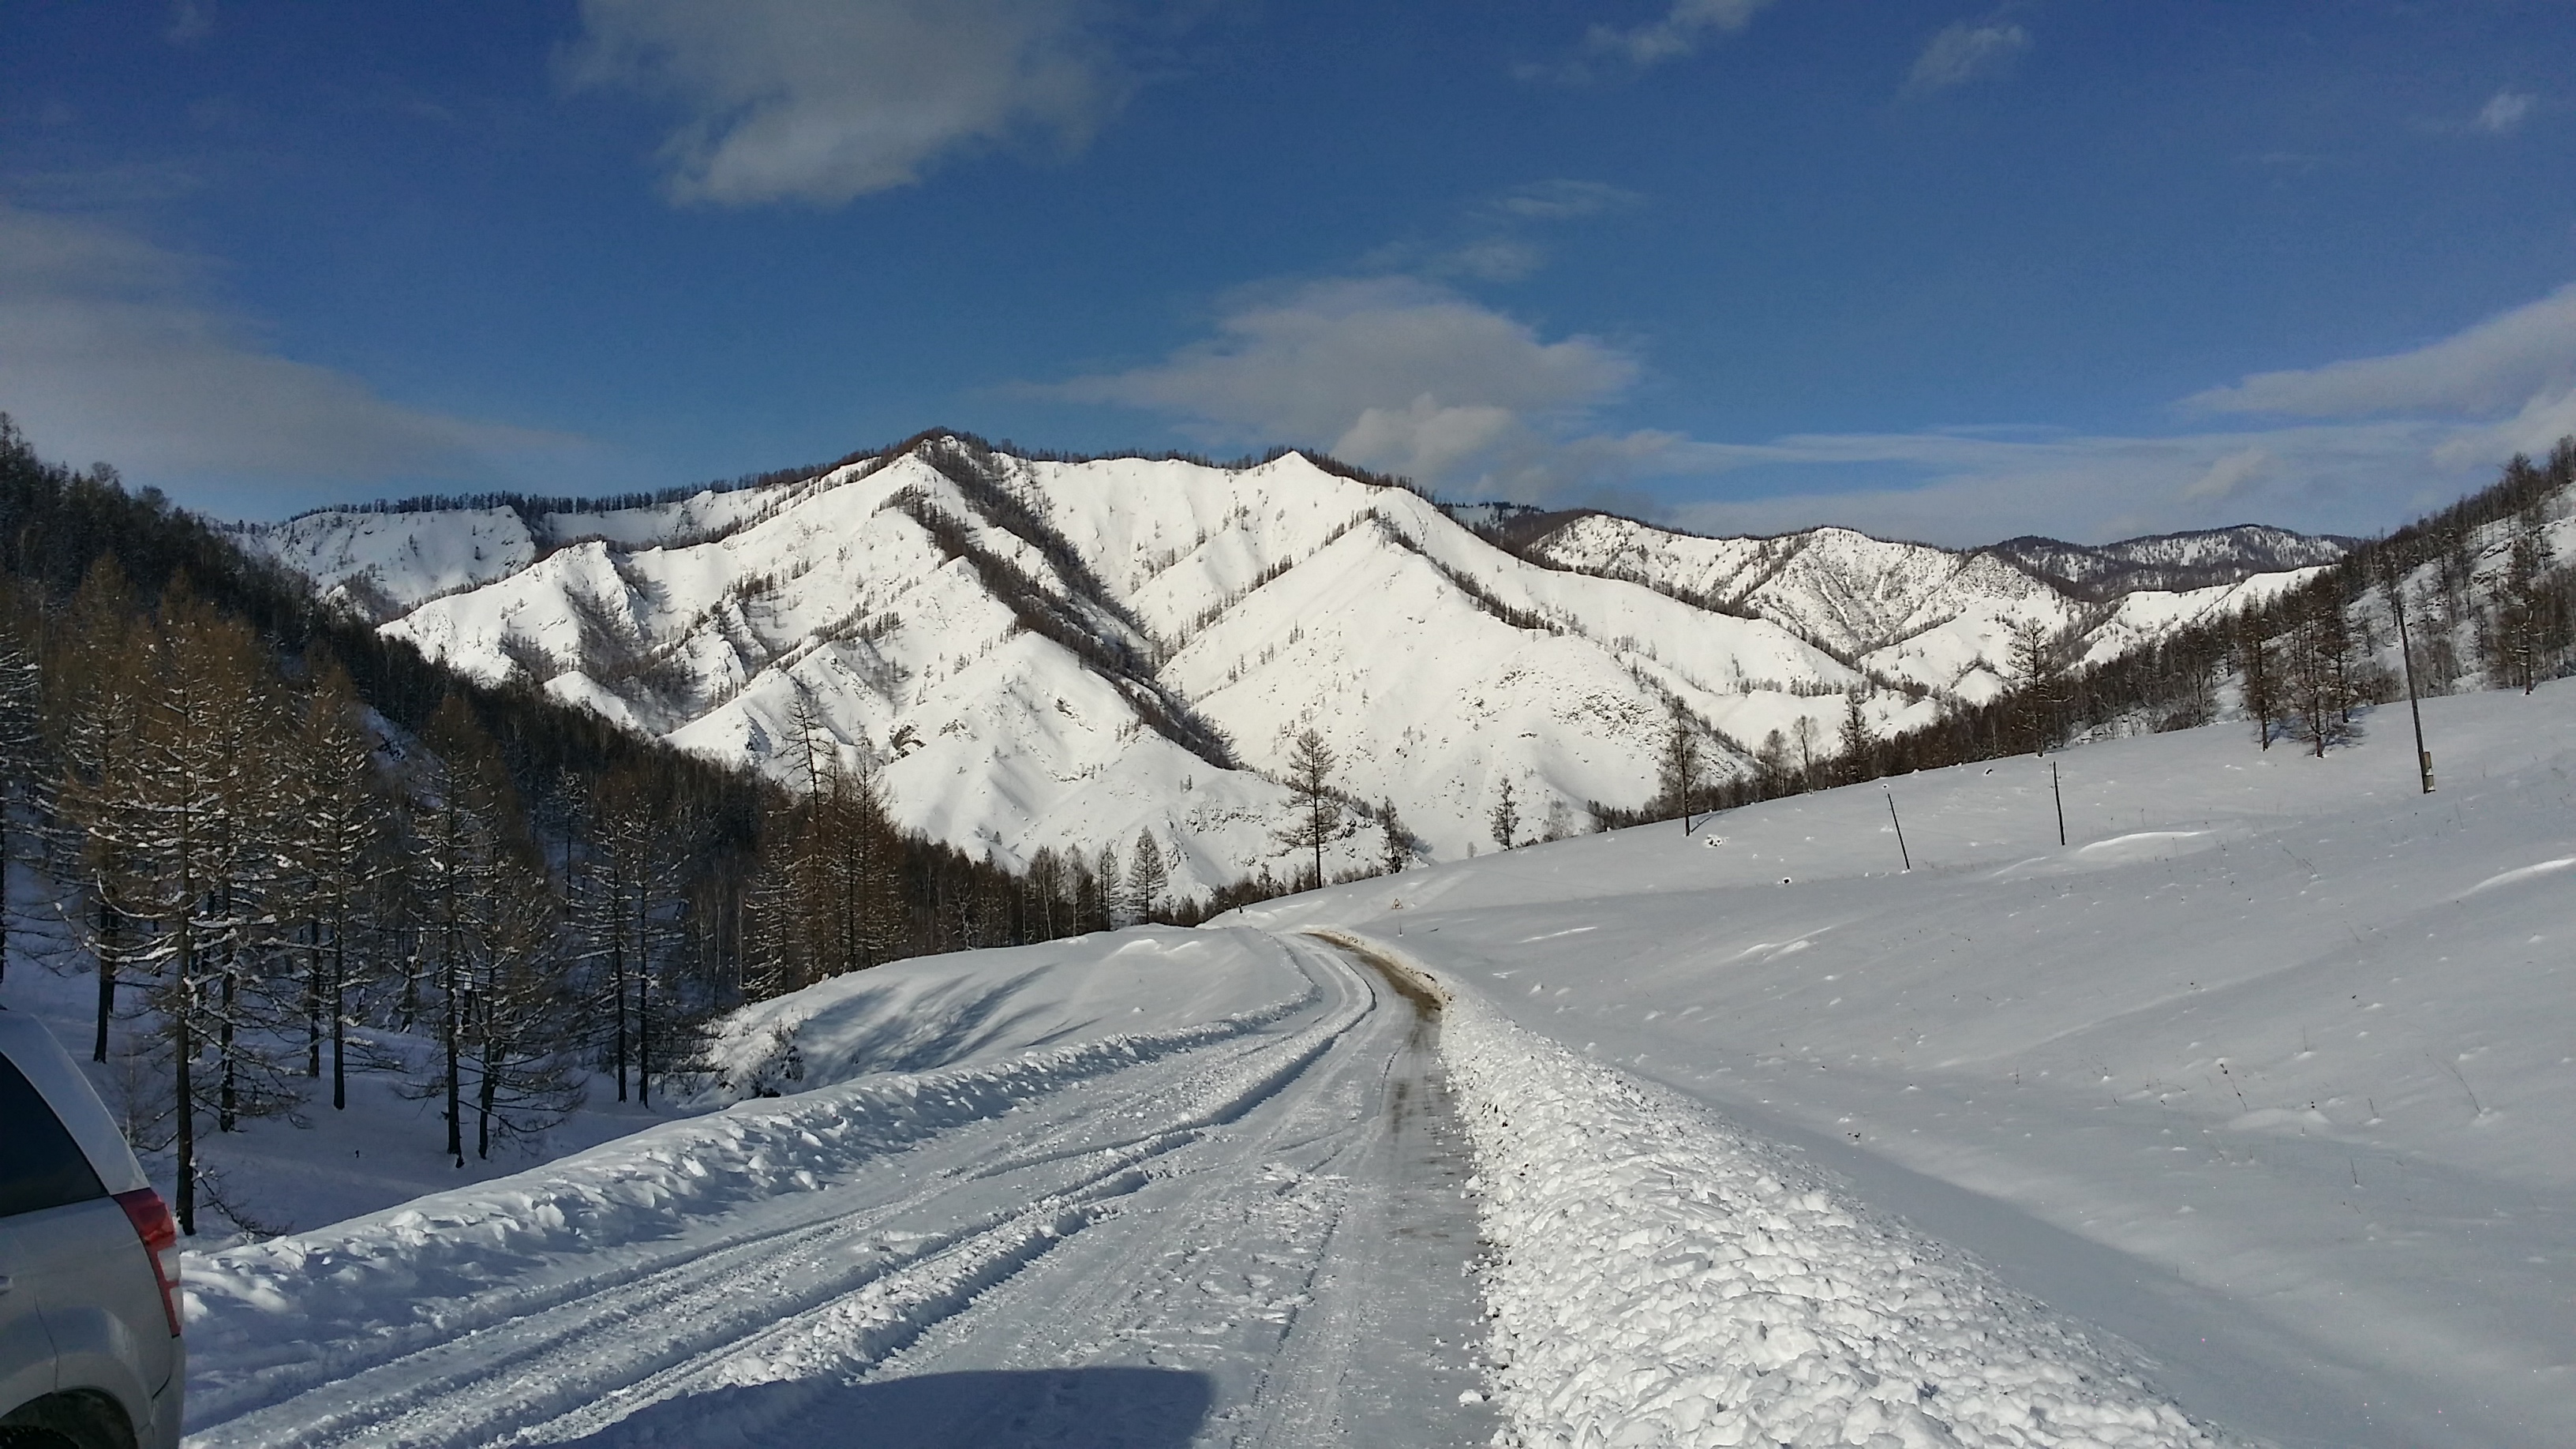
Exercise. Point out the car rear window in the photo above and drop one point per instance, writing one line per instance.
(40, 1165)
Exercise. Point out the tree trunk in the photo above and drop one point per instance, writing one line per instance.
(184, 1044)
(107, 938)
(339, 1017)
(455, 1114)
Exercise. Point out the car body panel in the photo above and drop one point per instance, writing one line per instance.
(29, 1046)
(83, 1309)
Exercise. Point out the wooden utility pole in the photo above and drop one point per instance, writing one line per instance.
(2406, 652)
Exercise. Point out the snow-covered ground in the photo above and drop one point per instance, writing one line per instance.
(1239, 1230)
(2267, 1071)
(2249, 1114)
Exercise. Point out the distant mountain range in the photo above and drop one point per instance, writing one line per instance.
(1039, 652)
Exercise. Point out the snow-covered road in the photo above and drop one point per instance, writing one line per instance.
(1256, 1239)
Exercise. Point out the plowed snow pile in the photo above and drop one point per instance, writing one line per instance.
(1660, 1278)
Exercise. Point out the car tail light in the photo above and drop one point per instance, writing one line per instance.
(160, 1235)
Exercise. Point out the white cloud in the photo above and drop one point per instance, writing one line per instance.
(2504, 363)
(2375, 440)
(1965, 51)
(1563, 200)
(1407, 376)
(2504, 113)
(1962, 488)
(108, 352)
(1678, 33)
(825, 100)
(2230, 476)
(1388, 372)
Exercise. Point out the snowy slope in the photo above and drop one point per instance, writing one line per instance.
(2265, 1072)
(1066, 654)
(1933, 618)
(2172, 560)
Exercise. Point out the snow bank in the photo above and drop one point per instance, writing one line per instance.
(1659, 1278)
(964, 1008)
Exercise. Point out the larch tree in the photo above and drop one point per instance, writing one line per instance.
(178, 823)
(26, 765)
(1680, 763)
(465, 835)
(1147, 878)
(1397, 844)
(2254, 663)
(338, 840)
(1315, 812)
(1856, 737)
(95, 666)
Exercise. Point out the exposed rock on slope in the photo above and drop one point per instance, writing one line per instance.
(1066, 653)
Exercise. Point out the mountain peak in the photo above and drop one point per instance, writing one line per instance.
(1041, 651)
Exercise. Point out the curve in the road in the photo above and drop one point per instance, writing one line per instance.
(1250, 1212)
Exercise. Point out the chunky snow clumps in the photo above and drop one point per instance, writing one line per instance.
(1659, 1278)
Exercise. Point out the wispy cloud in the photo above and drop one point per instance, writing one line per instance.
(1390, 372)
(2501, 364)
(1496, 239)
(822, 101)
(2504, 113)
(108, 350)
(1406, 375)
(1563, 200)
(1965, 488)
(1967, 51)
(1679, 32)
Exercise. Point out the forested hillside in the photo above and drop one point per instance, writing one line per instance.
(272, 834)
(2481, 595)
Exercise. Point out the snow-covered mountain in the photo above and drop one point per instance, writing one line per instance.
(2171, 560)
(1058, 653)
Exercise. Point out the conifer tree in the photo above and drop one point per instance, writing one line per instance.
(469, 849)
(25, 764)
(1679, 765)
(520, 1013)
(337, 842)
(95, 667)
(1315, 813)
(1856, 738)
(1112, 887)
(1505, 819)
(1398, 844)
(178, 820)
(1147, 878)
(2254, 664)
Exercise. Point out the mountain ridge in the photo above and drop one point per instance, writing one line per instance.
(1068, 652)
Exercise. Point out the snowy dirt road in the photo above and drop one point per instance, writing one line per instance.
(1261, 1240)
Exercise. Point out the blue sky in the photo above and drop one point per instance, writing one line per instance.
(1939, 270)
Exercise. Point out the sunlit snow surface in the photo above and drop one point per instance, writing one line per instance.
(1267, 600)
(2267, 1072)
(2260, 1085)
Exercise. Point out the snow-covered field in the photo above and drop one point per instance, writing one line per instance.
(2268, 1071)
(2247, 1115)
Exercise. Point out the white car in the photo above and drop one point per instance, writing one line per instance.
(90, 1352)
